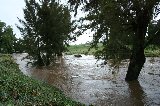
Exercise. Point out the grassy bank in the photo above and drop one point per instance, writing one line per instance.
(82, 49)
(150, 51)
(17, 89)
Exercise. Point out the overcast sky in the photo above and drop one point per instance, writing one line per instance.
(11, 9)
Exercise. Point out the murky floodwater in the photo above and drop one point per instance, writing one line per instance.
(87, 81)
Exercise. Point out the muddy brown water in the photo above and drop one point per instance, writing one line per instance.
(88, 81)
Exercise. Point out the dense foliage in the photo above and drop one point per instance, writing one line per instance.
(153, 38)
(7, 38)
(46, 29)
(116, 24)
(20, 90)
(19, 45)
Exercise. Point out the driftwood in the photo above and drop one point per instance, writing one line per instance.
(77, 55)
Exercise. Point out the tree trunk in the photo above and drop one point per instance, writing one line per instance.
(40, 61)
(137, 59)
(47, 59)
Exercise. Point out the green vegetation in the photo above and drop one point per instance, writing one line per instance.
(150, 51)
(82, 49)
(46, 29)
(20, 90)
(7, 38)
(117, 23)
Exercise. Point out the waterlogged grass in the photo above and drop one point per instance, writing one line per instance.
(150, 51)
(17, 89)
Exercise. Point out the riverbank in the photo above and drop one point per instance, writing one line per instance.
(150, 51)
(18, 89)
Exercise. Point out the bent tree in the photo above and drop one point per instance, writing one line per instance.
(119, 23)
(46, 29)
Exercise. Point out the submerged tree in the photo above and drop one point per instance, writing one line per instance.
(116, 22)
(46, 29)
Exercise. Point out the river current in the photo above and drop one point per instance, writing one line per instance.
(89, 81)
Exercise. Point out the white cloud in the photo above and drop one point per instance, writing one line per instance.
(86, 37)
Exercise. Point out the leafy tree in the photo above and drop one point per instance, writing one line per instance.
(19, 46)
(46, 29)
(152, 29)
(120, 21)
(6, 38)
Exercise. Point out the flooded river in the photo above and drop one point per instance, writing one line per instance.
(86, 80)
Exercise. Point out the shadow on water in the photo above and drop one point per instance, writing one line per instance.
(137, 94)
(88, 81)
